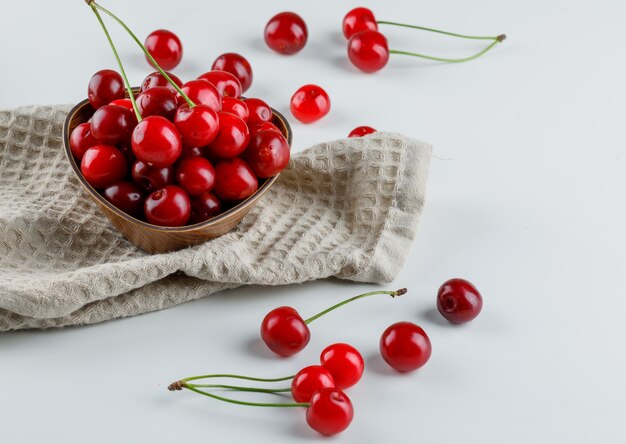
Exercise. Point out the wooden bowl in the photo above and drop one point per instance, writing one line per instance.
(152, 238)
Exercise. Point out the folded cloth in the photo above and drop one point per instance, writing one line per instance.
(347, 209)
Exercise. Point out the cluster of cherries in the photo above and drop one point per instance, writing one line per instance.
(319, 388)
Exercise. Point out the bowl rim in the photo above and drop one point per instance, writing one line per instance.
(244, 205)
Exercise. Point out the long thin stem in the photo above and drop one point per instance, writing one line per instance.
(347, 301)
(439, 31)
(119, 62)
(146, 52)
(240, 388)
(254, 404)
(440, 59)
(228, 375)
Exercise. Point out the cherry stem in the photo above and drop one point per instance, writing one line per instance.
(119, 62)
(236, 401)
(228, 375)
(439, 31)
(393, 294)
(241, 388)
(440, 59)
(146, 52)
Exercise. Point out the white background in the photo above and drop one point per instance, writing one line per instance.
(526, 199)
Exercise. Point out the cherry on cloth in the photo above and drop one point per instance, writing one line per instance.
(361, 131)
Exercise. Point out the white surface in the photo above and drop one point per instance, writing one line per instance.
(526, 200)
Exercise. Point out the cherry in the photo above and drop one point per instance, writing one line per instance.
(344, 363)
(259, 111)
(103, 165)
(236, 107)
(284, 331)
(330, 411)
(357, 20)
(126, 196)
(156, 142)
(405, 346)
(104, 87)
(233, 136)
(361, 131)
(310, 103)
(257, 127)
(267, 154)
(234, 180)
(286, 33)
(226, 83)
(165, 47)
(81, 140)
(368, 50)
(152, 178)
(112, 124)
(157, 101)
(191, 151)
(204, 207)
(195, 175)
(198, 126)
(459, 301)
(168, 207)
(237, 65)
(157, 79)
(308, 381)
(201, 92)
(126, 103)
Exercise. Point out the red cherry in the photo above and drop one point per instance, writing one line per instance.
(157, 79)
(168, 207)
(126, 196)
(226, 83)
(361, 131)
(198, 126)
(126, 103)
(236, 107)
(267, 154)
(81, 140)
(165, 47)
(357, 20)
(405, 346)
(368, 51)
(201, 92)
(259, 110)
(284, 331)
(234, 180)
(308, 381)
(152, 178)
(459, 301)
(104, 87)
(192, 151)
(344, 363)
(257, 127)
(195, 175)
(204, 207)
(330, 412)
(103, 165)
(286, 33)
(156, 142)
(237, 65)
(157, 101)
(112, 124)
(233, 136)
(310, 103)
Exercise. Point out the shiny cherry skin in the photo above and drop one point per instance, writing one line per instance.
(204, 207)
(257, 127)
(103, 165)
(126, 196)
(267, 153)
(157, 79)
(459, 301)
(234, 180)
(126, 103)
(284, 331)
(259, 111)
(330, 412)
(152, 178)
(226, 83)
(361, 131)
(310, 103)
(104, 87)
(198, 126)
(156, 142)
(168, 207)
(233, 136)
(165, 47)
(157, 101)
(344, 363)
(81, 140)
(405, 346)
(236, 107)
(201, 92)
(308, 381)
(286, 33)
(112, 124)
(195, 175)
(191, 151)
(368, 51)
(357, 20)
(237, 65)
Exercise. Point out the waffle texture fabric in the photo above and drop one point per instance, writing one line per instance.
(347, 209)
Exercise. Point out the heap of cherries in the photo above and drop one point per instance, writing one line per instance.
(320, 387)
